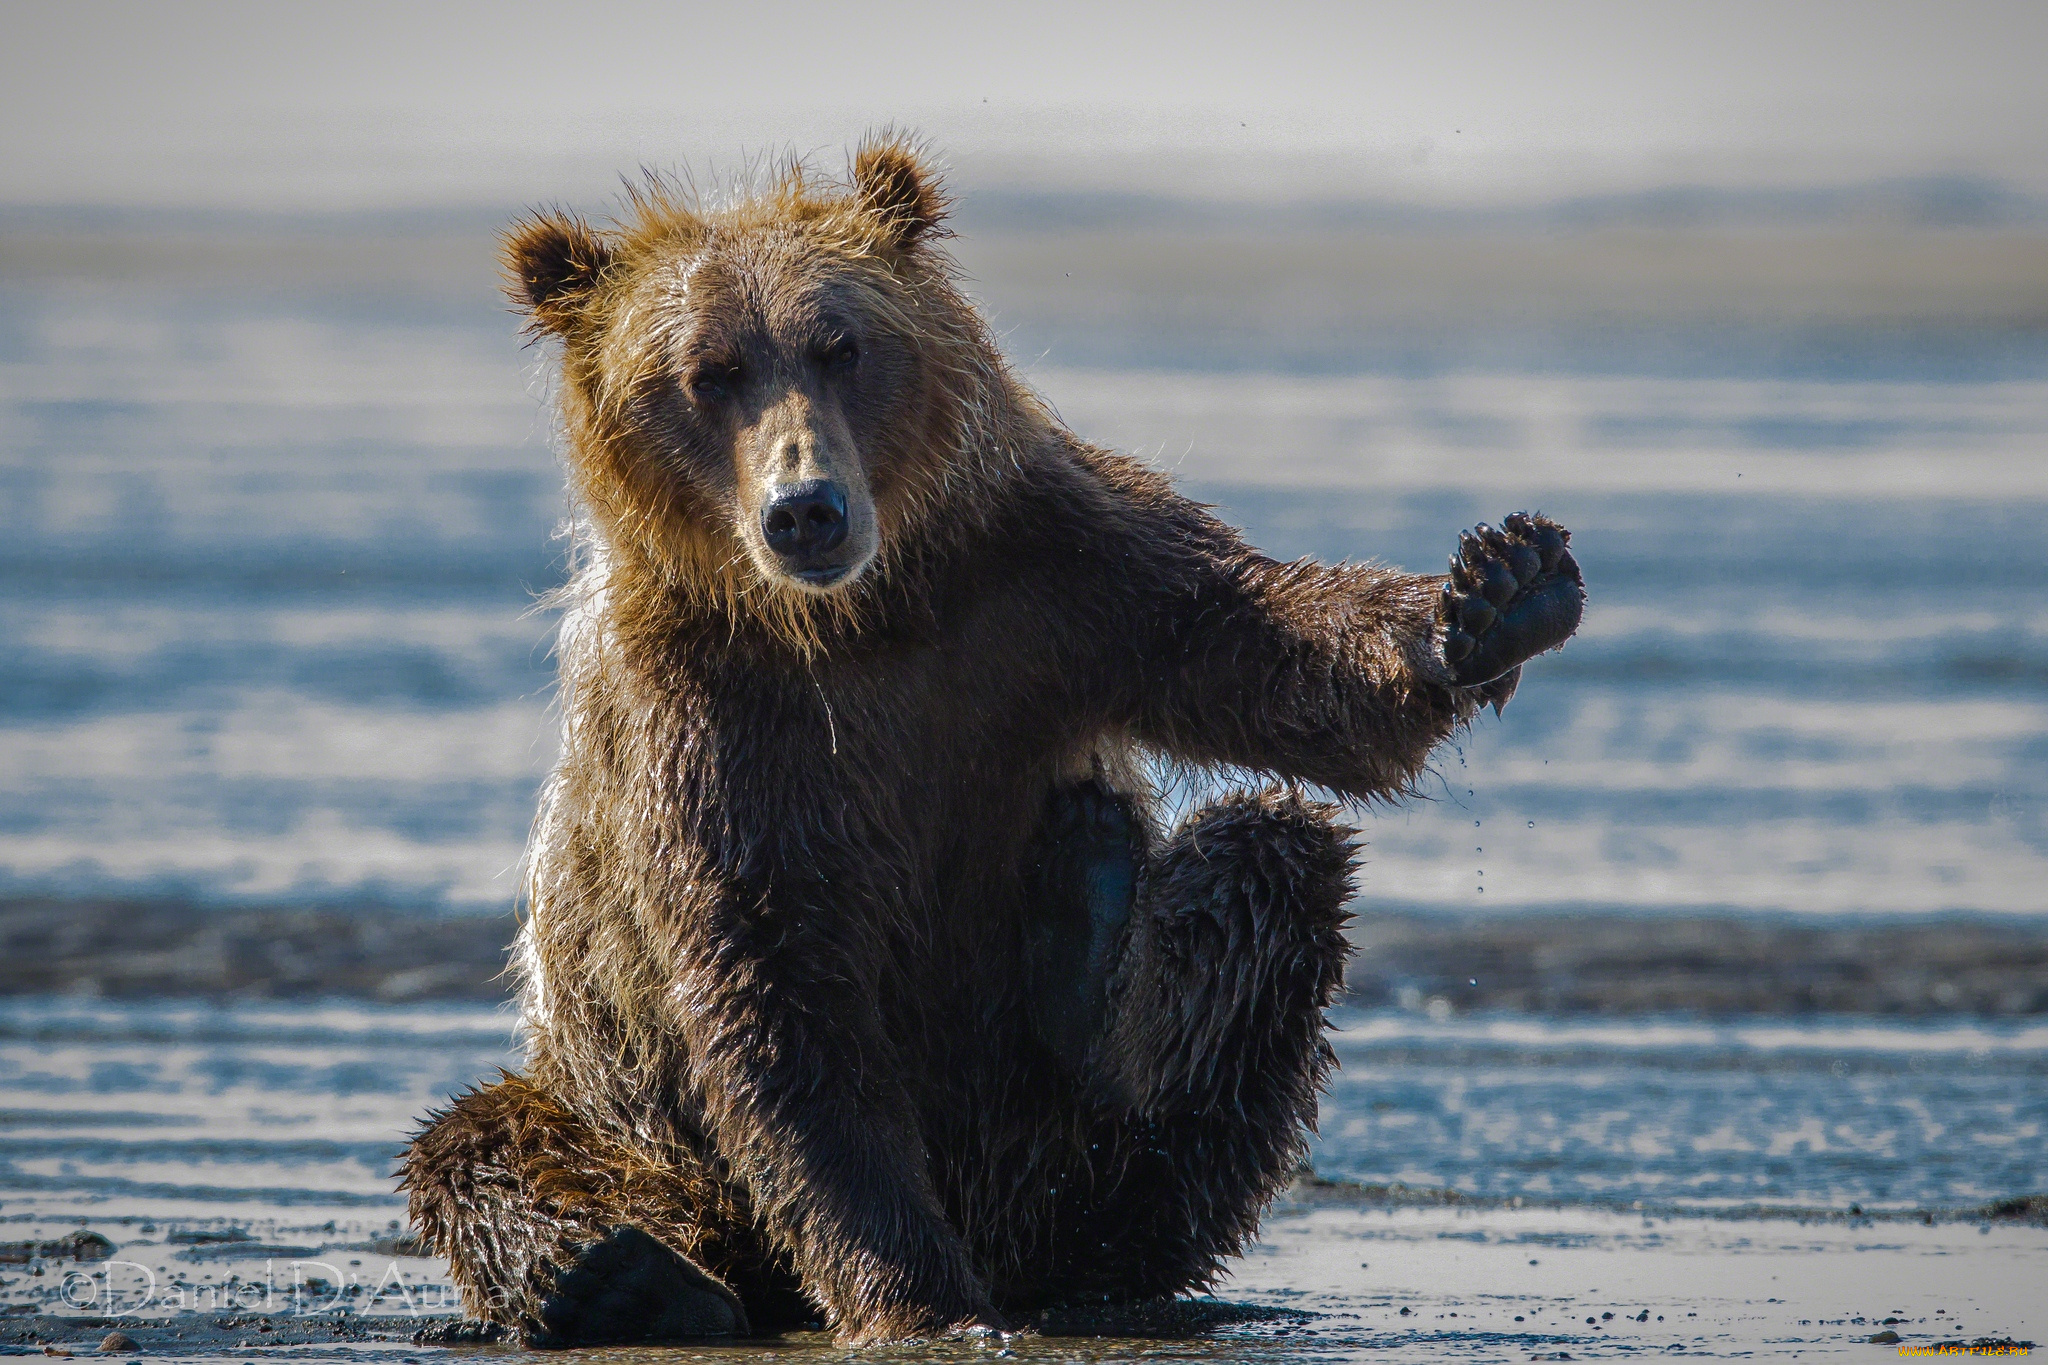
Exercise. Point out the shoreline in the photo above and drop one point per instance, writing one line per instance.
(1723, 965)
(1312, 1191)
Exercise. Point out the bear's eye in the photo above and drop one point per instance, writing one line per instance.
(714, 383)
(842, 355)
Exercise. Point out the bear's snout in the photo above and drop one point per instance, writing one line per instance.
(803, 523)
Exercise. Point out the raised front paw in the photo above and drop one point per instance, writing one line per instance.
(628, 1287)
(1512, 593)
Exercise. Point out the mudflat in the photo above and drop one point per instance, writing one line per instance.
(214, 1181)
(1611, 963)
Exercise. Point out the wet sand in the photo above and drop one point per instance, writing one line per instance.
(1770, 1187)
(1332, 1278)
(1614, 964)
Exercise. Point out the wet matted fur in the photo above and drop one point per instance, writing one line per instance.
(788, 888)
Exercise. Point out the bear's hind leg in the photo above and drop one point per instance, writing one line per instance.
(572, 1238)
(1207, 1070)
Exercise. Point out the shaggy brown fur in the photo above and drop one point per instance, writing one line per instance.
(857, 982)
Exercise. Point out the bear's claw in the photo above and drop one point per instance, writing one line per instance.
(1512, 593)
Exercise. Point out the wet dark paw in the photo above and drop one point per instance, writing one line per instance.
(1084, 878)
(627, 1287)
(1512, 593)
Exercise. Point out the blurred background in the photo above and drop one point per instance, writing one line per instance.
(1753, 296)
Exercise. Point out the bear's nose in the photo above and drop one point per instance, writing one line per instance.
(804, 520)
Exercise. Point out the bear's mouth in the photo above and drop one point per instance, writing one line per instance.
(827, 576)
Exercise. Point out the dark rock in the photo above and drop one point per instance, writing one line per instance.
(2023, 1208)
(78, 1246)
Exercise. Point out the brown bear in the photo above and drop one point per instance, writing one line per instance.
(858, 982)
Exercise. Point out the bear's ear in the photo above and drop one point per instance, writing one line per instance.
(553, 261)
(892, 182)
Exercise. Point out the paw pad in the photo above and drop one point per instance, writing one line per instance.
(1513, 592)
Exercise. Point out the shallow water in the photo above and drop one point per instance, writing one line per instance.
(150, 1123)
(268, 544)
(293, 1113)
(1672, 1113)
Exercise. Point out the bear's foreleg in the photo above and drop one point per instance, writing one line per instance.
(1346, 676)
(570, 1237)
(1212, 1055)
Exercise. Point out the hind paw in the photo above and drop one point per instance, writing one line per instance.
(627, 1287)
(1512, 593)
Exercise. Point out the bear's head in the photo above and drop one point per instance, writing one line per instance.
(764, 399)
